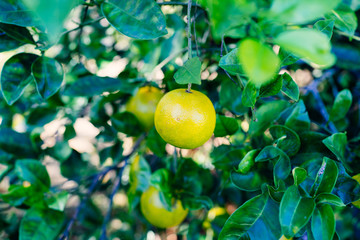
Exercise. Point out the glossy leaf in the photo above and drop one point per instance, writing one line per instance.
(247, 162)
(250, 94)
(323, 223)
(337, 145)
(289, 87)
(20, 34)
(225, 126)
(299, 175)
(258, 60)
(271, 87)
(7, 43)
(328, 198)
(48, 74)
(189, 73)
(309, 44)
(14, 12)
(89, 86)
(325, 178)
(300, 12)
(230, 63)
(249, 181)
(299, 119)
(295, 211)
(285, 139)
(127, 123)
(33, 172)
(140, 19)
(345, 19)
(41, 224)
(341, 105)
(325, 26)
(244, 218)
(15, 76)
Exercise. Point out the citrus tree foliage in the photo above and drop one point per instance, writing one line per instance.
(283, 76)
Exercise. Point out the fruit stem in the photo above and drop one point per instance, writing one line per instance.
(188, 90)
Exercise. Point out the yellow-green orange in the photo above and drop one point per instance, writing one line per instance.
(155, 212)
(357, 203)
(185, 120)
(143, 105)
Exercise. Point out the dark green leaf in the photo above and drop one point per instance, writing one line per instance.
(299, 119)
(189, 73)
(140, 19)
(309, 44)
(160, 179)
(227, 92)
(285, 139)
(225, 126)
(337, 145)
(7, 43)
(155, 143)
(225, 157)
(255, 57)
(127, 123)
(289, 87)
(14, 12)
(295, 211)
(89, 86)
(345, 19)
(271, 87)
(16, 75)
(197, 202)
(48, 74)
(20, 34)
(299, 175)
(328, 198)
(33, 172)
(287, 58)
(341, 105)
(230, 63)
(347, 188)
(41, 224)
(325, 26)
(250, 181)
(16, 143)
(300, 12)
(244, 218)
(323, 223)
(348, 56)
(325, 178)
(250, 94)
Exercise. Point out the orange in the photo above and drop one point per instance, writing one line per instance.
(185, 120)
(143, 105)
(155, 212)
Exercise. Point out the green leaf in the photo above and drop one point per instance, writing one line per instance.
(348, 56)
(33, 172)
(289, 87)
(89, 86)
(223, 18)
(328, 198)
(244, 218)
(250, 94)
(140, 19)
(337, 145)
(299, 175)
(127, 123)
(190, 72)
(230, 63)
(247, 162)
(227, 92)
(20, 34)
(48, 74)
(300, 12)
(52, 14)
(287, 58)
(341, 105)
(325, 26)
(155, 143)
(285, 139)
(225, 126)
(323, 223)
(345, 19)
(325, 178)
(255, 57)
(347, 188)
(14, 12)
(16, 143)
(57, 201)
(299, 119)
(15, 76)
(250, 181)
(8, 43)
(41, 224)
(311, 45)
(271, 87)
(295, 211)
(265, 115)
(197, 202)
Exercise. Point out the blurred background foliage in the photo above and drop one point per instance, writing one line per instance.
(74, 161)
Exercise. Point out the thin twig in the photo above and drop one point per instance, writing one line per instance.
(195, 39)
(179, 4)
(189, 36)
